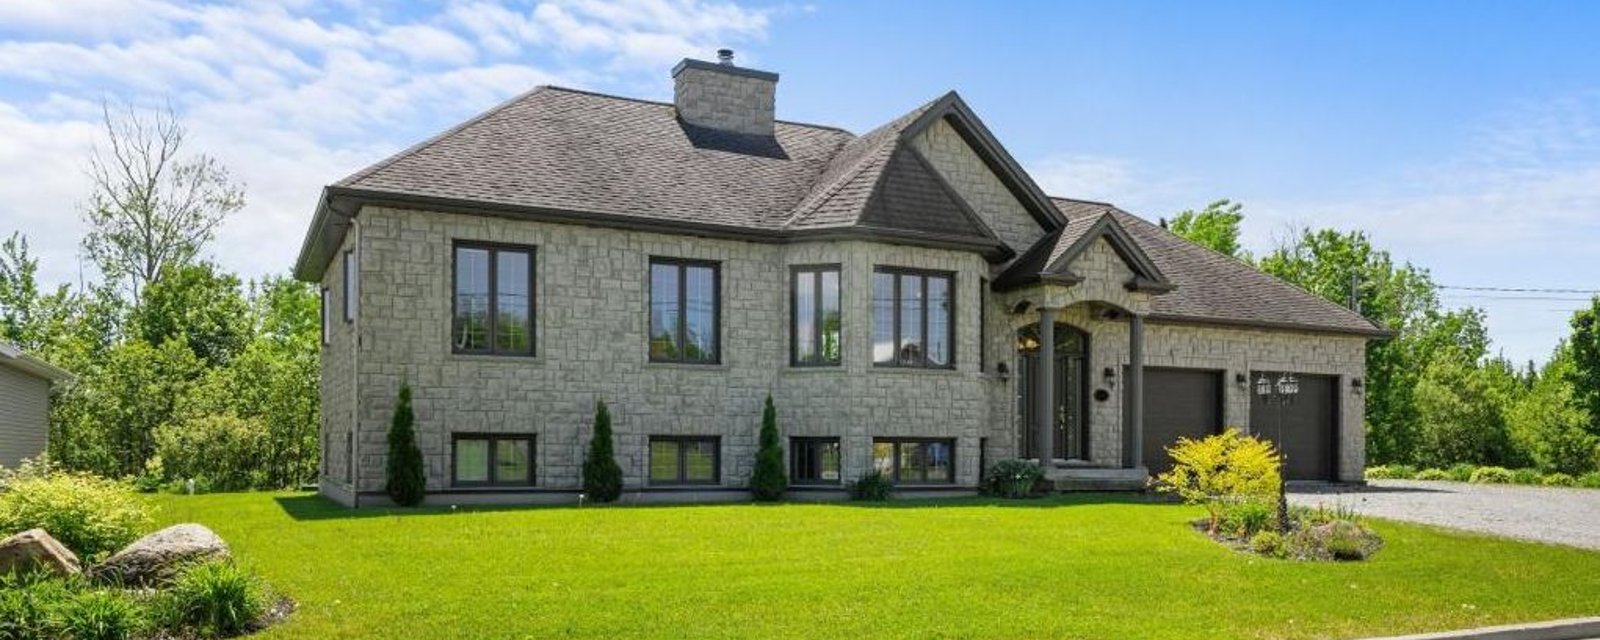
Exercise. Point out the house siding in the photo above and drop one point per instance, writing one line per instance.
(591, 340)
(24, 416)
(338, 381)
(967, 173)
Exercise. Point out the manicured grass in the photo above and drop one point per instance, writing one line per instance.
(1078, 567)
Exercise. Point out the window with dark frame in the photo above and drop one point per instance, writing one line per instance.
(814, 461)
(913, 318)
(983, 324)
(915, 460)
(814, 316)
(491, 460)
(327, 319)
(685, 311)
(685, 460)
(350, 286)
(492, 305)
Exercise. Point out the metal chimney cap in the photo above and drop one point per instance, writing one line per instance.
(725, 56)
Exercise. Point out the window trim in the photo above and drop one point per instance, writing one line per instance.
(897, 441)
(494, 451)
(327, 318)
(682, 461)
(494, 249)
(817, 314)
(922, 275)
(350, 291)
(983, 326)
(683, 264)
(795, 444)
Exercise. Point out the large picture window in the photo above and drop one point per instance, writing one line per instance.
(915, 461)
(913, 318)
(492, 460)
(685, 303)
(493, 300)
(815, 316)
(814, 461)
(684, 460)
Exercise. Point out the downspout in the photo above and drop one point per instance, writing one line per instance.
(355, 370)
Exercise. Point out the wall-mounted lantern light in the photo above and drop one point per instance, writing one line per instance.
(1110, 375)
(1240, 378)
(1003, 371)
(1356, 385)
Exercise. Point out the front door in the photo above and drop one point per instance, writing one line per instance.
(1071, 412)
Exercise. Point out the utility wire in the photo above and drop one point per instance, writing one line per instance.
(1519, 289)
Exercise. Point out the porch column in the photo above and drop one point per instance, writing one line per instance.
(1136, 389)
(1044, 387)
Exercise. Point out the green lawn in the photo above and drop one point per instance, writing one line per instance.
(1078, 567)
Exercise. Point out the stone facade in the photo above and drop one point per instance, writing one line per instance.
(960, 166)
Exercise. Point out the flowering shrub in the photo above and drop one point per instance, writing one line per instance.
(1221, 470)
(1013, 478)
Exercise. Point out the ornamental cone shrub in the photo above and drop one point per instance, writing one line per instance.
(768, 481)
(406, 479)
(602, 478)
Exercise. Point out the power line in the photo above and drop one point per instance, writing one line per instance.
(1519, 289)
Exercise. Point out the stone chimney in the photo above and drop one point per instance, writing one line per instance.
(718, 95)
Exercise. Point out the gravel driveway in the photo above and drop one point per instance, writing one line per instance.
(1561, 516)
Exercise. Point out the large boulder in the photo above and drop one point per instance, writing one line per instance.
(156, 559)
(35, 550)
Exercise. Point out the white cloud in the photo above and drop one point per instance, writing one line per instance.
(294, 95)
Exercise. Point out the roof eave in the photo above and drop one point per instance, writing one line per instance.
(20, 360)
(1375, 332)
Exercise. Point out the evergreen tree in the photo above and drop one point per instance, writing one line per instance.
(768, 481)
(406, 478)
(602, 478)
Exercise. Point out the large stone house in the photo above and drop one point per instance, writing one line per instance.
(892, 291)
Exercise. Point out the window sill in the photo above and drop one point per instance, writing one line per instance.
(937, 371)
(686, 366)
(490, 357)
(492, 488)
(814, 368)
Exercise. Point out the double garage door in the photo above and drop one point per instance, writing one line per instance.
(1187, 403)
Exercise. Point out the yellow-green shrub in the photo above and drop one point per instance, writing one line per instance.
(1216, 471)
(91, 515)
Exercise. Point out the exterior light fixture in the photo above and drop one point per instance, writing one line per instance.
(1356, 385)
(1003, 371)
(1110, 375)
(1240, 378)
(1263, 385)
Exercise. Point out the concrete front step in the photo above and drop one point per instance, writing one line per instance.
(1067, 479)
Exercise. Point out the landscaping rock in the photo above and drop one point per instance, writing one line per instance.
(157, 558)
(36, 549)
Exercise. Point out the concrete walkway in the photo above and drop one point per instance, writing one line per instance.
(1543, 514)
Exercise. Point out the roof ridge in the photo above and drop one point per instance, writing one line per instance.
(1081, 200)
(803, 210)
(661, 103)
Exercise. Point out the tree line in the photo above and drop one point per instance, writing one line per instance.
(1436, 395)
(183, 370)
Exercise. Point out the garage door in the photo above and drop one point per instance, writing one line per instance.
(1305, 429)
(1178, 403)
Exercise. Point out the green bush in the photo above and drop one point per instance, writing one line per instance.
(874, 486)
(1012, 478)
(102, 614)
(91, 515)
(1590, 480)
(1219, 470)
(1526, 476)
(1346, 541)
(1391, 472)
(1245, 519)
(1491, 475)
(223, 451)
(1268, 543)
(1433, 474)
(407, 481)
(28, 605)
(218, 598)
(1461, 472)
(1559, 480)
(602, 478)
(768, 480)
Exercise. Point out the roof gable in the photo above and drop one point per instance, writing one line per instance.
(951, 109)
(1051, 259)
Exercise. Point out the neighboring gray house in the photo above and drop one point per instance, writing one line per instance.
(891, 291)
(25, 404)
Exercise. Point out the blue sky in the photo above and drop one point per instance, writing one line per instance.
(1464, 136)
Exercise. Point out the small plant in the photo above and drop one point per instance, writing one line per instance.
(218, 598)
(874, 487)
(1245, 519)
(768, 481)
(1391, 472)
(1461, 472)
(1013, 478)
(1268, 543)
(1590, 480)
(91, 515)
(1433, 474)
(1526, 476)
(407, 481)
(1490, 475)
(602, 477)
(28, 604)
(1558, 480)
(102, 614)
(1219, 470)
(1346, 541)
